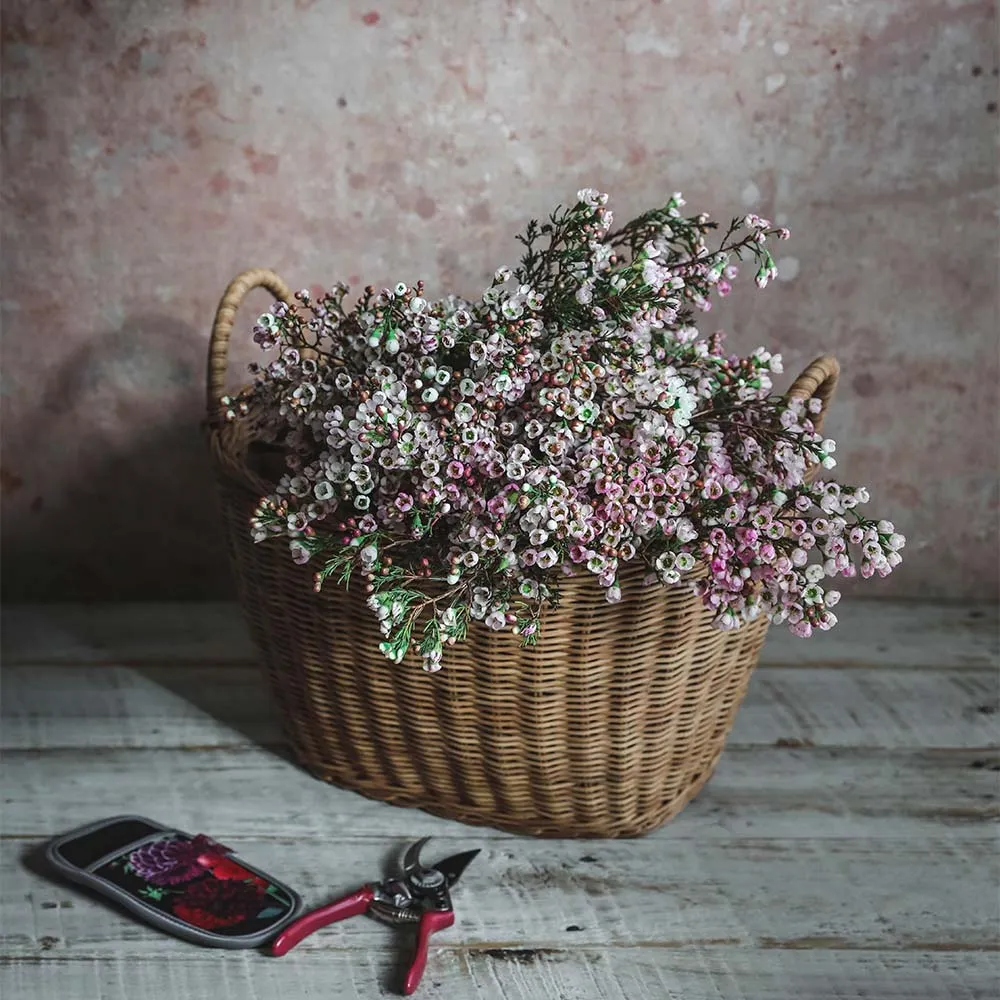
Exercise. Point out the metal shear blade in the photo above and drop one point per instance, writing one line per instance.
(451, 867)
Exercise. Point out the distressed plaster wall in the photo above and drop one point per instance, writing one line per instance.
(153, 149)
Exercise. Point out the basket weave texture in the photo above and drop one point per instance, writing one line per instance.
(607, 728)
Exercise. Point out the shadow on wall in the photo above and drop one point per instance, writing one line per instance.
(128, 510)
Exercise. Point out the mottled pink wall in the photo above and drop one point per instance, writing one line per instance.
(153, 149)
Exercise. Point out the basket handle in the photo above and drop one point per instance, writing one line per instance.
(218, 346)
(819, 379)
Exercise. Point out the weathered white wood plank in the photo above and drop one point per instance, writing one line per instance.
(181, 706)
(252, 792)
(912, 635)
(878, 707)
(871, 633)
(209, 632)
(773, 895)
(176, 706)
(513, 974)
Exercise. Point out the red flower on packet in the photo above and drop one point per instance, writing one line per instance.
(214, 903)
(228, 870)
(212, 858)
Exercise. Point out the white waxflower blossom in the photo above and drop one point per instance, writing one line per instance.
(323, 490)
(685, 562)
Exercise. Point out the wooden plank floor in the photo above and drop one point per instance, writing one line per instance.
(846, 847)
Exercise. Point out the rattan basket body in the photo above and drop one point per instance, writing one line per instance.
(607, 728)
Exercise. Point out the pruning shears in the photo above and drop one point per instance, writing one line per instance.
(419, 896)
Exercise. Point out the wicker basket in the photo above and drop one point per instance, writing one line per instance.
(606, 729)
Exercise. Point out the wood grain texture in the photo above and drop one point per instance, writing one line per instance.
(766, 792)
(722, 973)
(845, 847)
(870, 633)
(177, 706)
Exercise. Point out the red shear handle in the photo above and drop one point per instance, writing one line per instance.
(349, 906)
(430, 922)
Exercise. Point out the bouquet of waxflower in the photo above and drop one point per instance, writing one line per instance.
(461, 457)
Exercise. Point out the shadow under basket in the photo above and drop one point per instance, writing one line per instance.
(607, 728)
